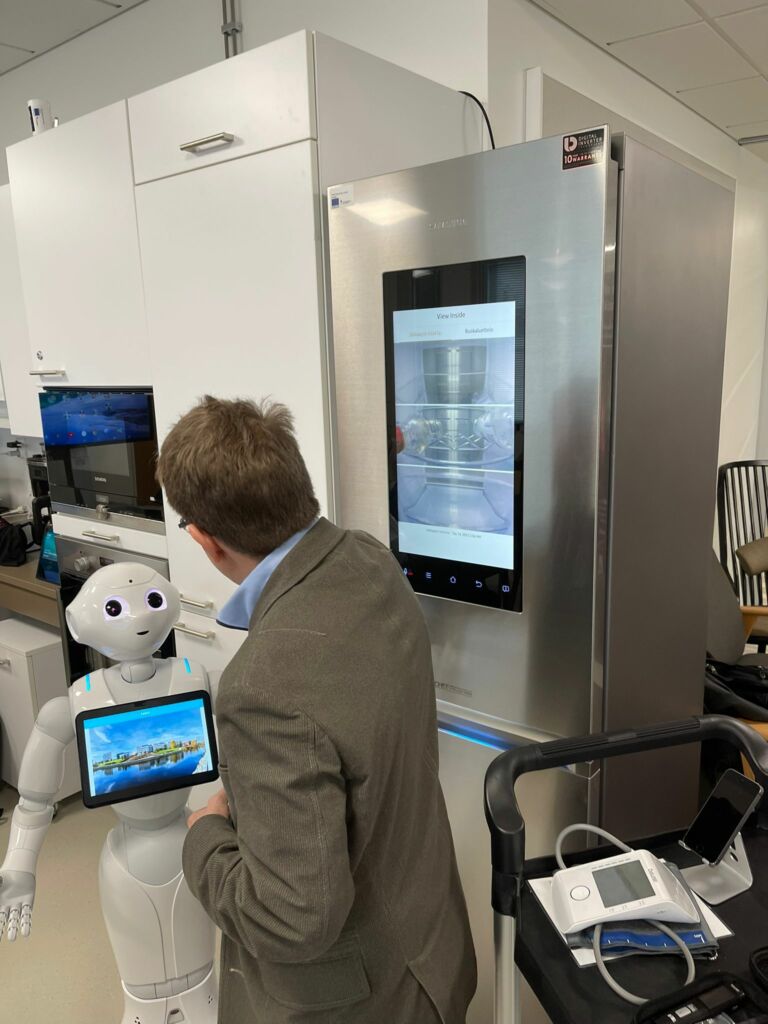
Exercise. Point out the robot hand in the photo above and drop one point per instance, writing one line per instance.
(17, 894)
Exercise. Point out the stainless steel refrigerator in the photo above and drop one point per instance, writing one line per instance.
(527, 371)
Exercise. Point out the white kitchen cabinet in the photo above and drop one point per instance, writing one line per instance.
(31, 673)
(232, 248)
(262, 100)
(75, 218)
(20, 389)
(205, 641)
(231, 272)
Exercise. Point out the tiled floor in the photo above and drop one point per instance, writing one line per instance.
(64, 971)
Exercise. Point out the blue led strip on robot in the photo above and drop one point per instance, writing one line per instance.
(187, 666)
(88, 681)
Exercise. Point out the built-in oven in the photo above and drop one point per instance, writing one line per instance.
(77, 560)
(101, 449)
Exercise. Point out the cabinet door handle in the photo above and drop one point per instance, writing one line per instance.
(46, 373)
(195, 604)
(111, 538)
(5, 662)
(207, 634)
(192, 147)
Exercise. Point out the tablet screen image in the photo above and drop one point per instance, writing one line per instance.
(150, 747)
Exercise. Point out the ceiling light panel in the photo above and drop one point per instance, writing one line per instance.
(39, 25)
(11, 57)
(607, 20)
(741, 131)
(749, 30)
(715, 8)
(683, 58)
(731, 103)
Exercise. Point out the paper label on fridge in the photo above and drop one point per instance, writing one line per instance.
(340, 195)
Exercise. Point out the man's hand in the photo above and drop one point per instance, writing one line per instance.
(218, 804)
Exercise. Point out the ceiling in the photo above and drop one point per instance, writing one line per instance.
(711, 55)
(30, 27)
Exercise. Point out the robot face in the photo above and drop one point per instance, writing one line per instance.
(124, 610)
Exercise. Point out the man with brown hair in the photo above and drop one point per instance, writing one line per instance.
(327, 861)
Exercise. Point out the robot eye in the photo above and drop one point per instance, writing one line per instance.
(156, 600)
(115, 608)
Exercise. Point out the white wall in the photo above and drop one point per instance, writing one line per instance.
(522, 36)
(445, 40)
(163, 39)
(15, 488)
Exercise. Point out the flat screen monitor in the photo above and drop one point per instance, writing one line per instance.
(455, 355)
(72, 417)
(147, 747)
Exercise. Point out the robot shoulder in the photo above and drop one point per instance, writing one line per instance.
(189, 675)
(90, 692)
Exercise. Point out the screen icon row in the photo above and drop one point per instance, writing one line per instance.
(453, 581)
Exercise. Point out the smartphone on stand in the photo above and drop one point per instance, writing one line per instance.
(719, 821)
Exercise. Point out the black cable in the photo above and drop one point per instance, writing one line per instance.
(485, 115)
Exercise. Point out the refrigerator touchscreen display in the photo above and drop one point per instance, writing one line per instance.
(455, 354)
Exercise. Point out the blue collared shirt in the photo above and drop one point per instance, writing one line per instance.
(237, 612)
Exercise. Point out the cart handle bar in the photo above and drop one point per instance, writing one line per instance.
(502, 811)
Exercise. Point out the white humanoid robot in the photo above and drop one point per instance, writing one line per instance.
(163, 941)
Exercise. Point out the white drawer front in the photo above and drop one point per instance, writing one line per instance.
(256, 101)
(122, 538)
(204, 640)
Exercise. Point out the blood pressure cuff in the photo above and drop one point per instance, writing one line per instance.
(753, 1008)
(628, 938)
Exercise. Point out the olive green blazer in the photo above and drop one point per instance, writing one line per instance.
(335, 881)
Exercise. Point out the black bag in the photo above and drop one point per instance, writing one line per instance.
(754, 1007)
(13, 543)
(750, 682)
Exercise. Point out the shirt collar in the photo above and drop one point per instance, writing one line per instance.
(236, 613)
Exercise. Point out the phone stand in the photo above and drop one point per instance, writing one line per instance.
(726, 879)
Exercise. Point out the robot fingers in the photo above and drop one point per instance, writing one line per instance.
(3, 919)
(13, 924)
(19, 921)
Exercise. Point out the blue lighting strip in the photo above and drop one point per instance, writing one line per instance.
(478, 738)
(88, 681)
(187, 666)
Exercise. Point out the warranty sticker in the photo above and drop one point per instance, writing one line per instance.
(583, 149)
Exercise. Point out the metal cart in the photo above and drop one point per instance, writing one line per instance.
(507, 827)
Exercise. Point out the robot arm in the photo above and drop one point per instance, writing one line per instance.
(40, 778)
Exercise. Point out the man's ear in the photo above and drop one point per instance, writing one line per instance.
(209, 544)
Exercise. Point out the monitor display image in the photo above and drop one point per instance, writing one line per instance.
(455, 420)
(89, 417)
(149, 747)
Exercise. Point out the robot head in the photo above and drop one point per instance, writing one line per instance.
(124, 610)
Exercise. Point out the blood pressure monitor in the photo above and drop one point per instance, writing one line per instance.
(630, 886)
